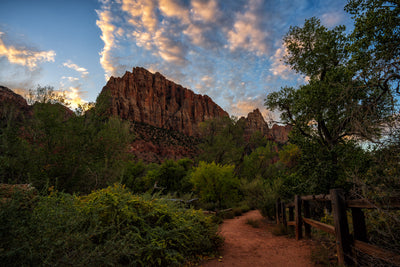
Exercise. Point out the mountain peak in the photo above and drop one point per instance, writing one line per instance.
(141, 96)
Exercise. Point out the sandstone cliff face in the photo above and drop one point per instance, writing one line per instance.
(13, 104)
(254, 122)
(149, 98)
(280, 133)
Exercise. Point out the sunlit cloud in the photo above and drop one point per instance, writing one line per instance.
(229, 50)
(142, 13)
(23, 56)
(107, 29)
(72, 91)
(244, 107)
(278, 67)
(247, 32)
(174, 8)
(84, 73)
(205, 11)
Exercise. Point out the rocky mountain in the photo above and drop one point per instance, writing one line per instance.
(141, 96)
(254, 122)
(280, 133)
(13, 104)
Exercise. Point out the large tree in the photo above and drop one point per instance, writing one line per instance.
(375, 47)
(335, 105)
(376, 38)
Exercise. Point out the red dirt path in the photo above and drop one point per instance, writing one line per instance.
(248, 246)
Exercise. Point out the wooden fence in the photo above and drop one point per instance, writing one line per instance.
(346, 244)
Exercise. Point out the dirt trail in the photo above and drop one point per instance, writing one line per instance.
(248, 246)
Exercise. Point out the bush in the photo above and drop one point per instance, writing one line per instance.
(216, 183)
(107, 227)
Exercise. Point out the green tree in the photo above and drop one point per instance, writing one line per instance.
(334, 105)
(46, 94)
(375, 50)
(222, 141)
(216, 184)
(171, 176)
(376, 38)
(260, 162)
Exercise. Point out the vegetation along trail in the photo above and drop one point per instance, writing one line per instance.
(246, 245)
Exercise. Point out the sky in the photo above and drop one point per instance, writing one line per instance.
(230, 50)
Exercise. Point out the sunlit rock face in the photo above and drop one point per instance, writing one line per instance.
(254, 122)
(141, 96)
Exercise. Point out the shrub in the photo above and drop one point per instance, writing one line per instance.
(107, 227)
(216, 183)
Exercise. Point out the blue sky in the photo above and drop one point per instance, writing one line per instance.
(229, 50)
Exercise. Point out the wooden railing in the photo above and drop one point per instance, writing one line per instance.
(299, 215)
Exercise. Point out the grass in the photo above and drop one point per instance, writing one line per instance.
(279, 230)
(323, 255)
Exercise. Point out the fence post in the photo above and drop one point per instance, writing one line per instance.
(297, 207)
(278, 210)
(359, 227)
(291, 216)
(343, 240)
(283, 211)
(307, 227)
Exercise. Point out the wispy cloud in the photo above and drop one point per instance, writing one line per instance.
(69, 64)
(107, 29)
(24, 56)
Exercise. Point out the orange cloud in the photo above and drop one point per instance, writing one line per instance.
(73, 66)
(25, 57)
(107, 28)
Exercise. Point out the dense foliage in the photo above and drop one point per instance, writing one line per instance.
(57, 148)
(107, 227)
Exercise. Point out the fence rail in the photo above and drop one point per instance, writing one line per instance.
(299, 216)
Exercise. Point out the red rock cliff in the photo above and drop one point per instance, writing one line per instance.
(149, 98)
(254, 122)
(13, 104)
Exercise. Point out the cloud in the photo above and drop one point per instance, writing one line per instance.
(70, 79)
(247, 32)
(71, 89)
(107, 29)
(142, 13)
(229, 50)
(332, 19)
(278, 67)
(24, 56)
(205, 11)
(69, 64)
(244, 107)
(21, 65)
(174, 8)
